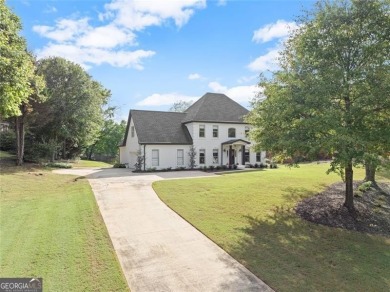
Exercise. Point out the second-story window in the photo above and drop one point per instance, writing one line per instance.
(215, 131)
(247, 131)
(202, 131)
(232, 132)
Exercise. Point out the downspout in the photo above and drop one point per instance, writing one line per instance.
(144, 157)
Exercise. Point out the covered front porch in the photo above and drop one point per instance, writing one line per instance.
(235, 151)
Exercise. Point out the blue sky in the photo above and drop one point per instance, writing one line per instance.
(153, 53)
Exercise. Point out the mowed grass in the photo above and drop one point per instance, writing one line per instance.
(51, 227)
(6, 155)
(91, 163)
(250, 215)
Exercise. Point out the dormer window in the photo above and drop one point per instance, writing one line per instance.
(232, 132)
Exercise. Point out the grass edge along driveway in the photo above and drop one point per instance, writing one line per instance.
(250, 215)
(51, 227)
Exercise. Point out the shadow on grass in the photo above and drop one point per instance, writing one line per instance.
(291, 254)
(294, 194)
(8, 166)
(240, 279)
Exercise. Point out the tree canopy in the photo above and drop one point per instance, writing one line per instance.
(180, 106)
(332, 92)
(110, 136)
(72, 116)
(16, 65)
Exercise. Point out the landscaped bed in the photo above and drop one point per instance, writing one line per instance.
(51, 227)
(251, 215)
(372, 208)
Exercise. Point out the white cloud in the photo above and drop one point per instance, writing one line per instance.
(64, 30)
(158, 99)
(221, 2)
(246, 79)
(266, 62)
(136, 15)
(279, 29)
(110, 42)
(194, 76)
(241, 94)
(95, 56)
(50, 9)
(217, 87)
(108, 36)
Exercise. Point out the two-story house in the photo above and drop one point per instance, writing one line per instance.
(214, 125)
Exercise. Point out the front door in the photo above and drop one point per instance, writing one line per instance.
(231, 155)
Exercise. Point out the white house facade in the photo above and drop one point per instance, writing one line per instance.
(214, 125)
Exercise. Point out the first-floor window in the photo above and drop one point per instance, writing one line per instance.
(258, 156)
(246, 155)
(215, 156)
(180, 157)
(202, 156)
(155, 157)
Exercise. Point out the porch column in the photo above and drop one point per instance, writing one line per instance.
(243, 154)
(221, 154)
(230, 155)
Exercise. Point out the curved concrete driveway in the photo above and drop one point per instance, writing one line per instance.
(157, 249)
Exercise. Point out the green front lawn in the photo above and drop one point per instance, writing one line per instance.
(250, 216)
(91, 163)
(6, 155)
(51, 227)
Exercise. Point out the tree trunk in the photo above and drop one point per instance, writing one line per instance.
(370, 172)
(64, 149)
(19, 125)
(90, 152)
(349, 188)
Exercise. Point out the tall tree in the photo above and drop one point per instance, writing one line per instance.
(26, 108)
(72, 116)
(330, 93)
(180, 106)
(111, 134)
(19, 83)
(16, 65)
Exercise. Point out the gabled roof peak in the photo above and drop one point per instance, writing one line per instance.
(215, 107)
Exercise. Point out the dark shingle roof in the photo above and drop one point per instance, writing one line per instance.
(215, 107)
(155, 127)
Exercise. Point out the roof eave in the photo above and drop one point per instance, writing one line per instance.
(221, 122)
(164, 143)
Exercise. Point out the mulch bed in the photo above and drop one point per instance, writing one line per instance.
(372, 209)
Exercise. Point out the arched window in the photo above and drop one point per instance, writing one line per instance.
(232, 132)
